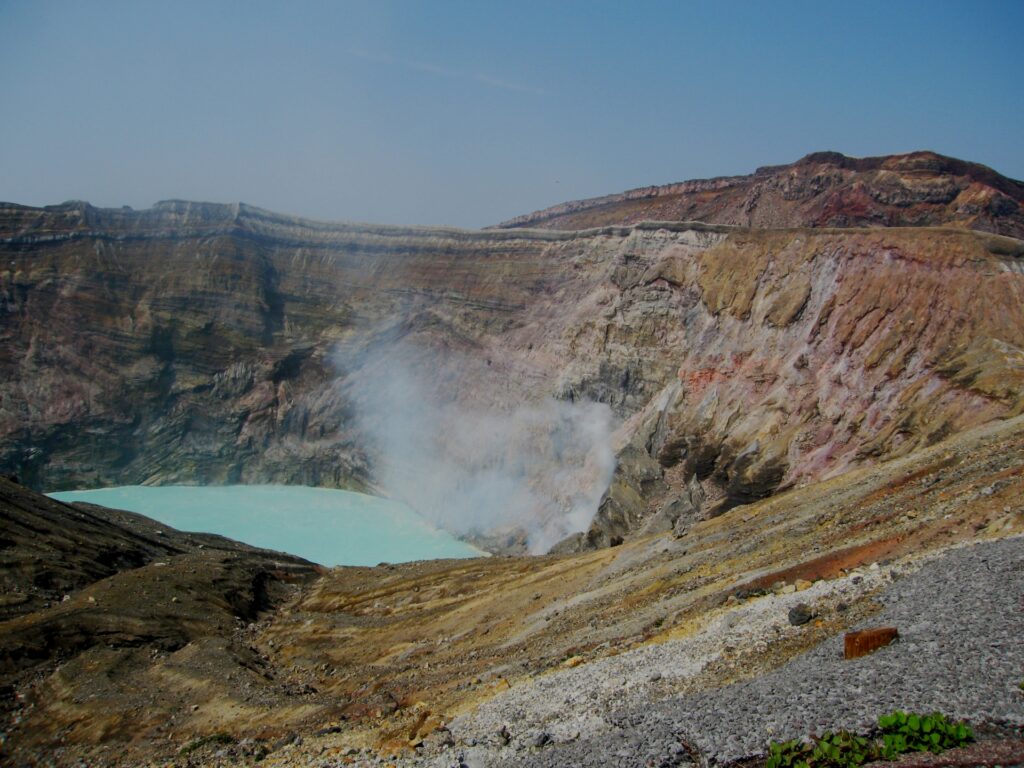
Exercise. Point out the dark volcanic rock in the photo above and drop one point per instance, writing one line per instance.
(114, 613)
(800, 614)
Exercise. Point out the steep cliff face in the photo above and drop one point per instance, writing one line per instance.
(824, 189)
(192, 342)
(207, 343)
(799, 354)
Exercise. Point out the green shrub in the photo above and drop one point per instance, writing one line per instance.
(916, 733)
(842, 750)
(832, 750)
(789, 754)
(899, 732)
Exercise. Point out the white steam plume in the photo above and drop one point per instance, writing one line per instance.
(539, 469)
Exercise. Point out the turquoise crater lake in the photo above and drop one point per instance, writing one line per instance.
(326, 526)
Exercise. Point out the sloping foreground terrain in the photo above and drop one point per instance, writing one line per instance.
(823, 189)
(215, 344)
(661, 651)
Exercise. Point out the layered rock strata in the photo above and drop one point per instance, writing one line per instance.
(211, 343)
(823, 189)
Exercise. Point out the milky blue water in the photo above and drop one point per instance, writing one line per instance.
(326, 526)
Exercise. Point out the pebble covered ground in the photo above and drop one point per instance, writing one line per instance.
(960, 618)
(961, 651)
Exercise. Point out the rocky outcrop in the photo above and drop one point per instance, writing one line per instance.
(49, 550)
(824, 189)
(194, 343)
(213, 343)
(680, 513)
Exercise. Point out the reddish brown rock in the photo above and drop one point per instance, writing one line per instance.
(857, 644)
(823, 189)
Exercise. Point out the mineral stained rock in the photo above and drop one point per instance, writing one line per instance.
(823, 189)
(222, 343)
(865, 641)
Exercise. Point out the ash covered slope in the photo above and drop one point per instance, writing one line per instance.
(97, 594)
(824, 189)
(49, 549)
(216, 343)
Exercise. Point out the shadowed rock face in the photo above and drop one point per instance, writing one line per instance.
(191, 342)
(824, 189)
(90, 592)
(49, 549)
(214, 343)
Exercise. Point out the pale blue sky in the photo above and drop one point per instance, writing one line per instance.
(468, 113)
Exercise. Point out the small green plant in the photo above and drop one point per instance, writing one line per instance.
(789, 754)
(902, 732)
(842, 750)
(899, 733)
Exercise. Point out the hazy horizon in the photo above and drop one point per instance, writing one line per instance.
(469, 114)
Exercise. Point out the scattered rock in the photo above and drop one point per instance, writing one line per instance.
(284, 741)
(747, 593)
(539, 739)
(800, 614)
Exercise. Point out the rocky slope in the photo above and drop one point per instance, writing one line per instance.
(93, 598)
(49, 549)
(534, 661)
(212, 344)
(824, 189)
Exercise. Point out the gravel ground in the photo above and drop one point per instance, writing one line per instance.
(961, 623)
(577, 702)
(961, 651)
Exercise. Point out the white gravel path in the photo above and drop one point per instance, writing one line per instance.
(961, 651)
